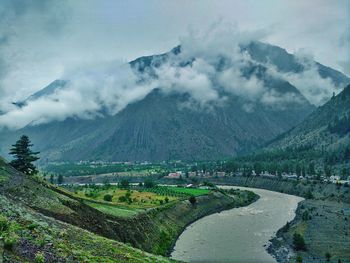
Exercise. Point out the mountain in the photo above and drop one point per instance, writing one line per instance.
(171, 125)
(327, 128)
(285, 62)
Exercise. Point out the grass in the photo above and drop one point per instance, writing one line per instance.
(127, 203)
(122, 199)
(113, 209)
(51, 241)
(190, 191)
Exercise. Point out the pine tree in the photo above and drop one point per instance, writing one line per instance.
(24, 156)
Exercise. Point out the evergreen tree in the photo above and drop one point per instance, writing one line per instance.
(24, 156)
(52, 179)
(60, 179)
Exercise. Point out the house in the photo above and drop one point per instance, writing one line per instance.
(289, 176)
(220, 174)
(176, 175)
(334, 178)
(192, 174)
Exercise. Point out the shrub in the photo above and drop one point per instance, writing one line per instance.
(122, 199)
(149, 183)
(286, 227)
(124, 184)
(39, 258)
(9, 242)
(166, 199)
(32, 226)
(192, 199)
(328, 256)
(305, 215)
(309, 195)
(108, 198)
(299, 259)
(3, 224)
(298, 242)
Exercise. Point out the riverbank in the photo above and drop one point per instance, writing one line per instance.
(242, 232)
(155, 230)
(327, 229)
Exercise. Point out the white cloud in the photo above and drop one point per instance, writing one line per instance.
(209, 69)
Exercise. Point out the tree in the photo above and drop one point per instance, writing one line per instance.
(311, 169)
(24, 156)
(299, 259)
(298, 242)
(60, 179)
(108, 197)
(149, 183)
(192, 199)
(52, 179)
(328, 256)
(124, 184)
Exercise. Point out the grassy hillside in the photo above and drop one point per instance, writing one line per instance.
(29, 236)
(50, 220)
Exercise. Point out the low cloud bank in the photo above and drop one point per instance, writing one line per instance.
(209, 68)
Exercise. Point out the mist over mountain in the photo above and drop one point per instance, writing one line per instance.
(208, 99)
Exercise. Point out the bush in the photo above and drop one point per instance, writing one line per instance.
(39, 258)
(305, 216)
(149, 183)
(9, 242)
(166, 199)
(124, 184)
(309, 195)
(286, 227)
(122, 199)
(328, 256)
(299, 259)
(3, 224)
(108, 198)
(298, 242)
(192, 199)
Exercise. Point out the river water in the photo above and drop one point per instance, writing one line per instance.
(237, 235)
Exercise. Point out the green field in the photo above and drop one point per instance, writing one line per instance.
(114, 210)
(191, 191)
(129, 202)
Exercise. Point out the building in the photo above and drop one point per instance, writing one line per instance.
(176, 175)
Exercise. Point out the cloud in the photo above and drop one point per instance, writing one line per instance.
(315, 88)
(88, 94)
(208, 68)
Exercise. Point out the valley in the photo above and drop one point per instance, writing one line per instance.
(174, 131)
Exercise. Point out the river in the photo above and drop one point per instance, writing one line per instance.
(237, 235)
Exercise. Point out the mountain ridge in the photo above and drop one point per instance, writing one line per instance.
(170, 125)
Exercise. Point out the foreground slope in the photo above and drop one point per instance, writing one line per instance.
(31, 202)
(29, 236)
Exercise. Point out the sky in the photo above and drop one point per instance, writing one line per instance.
(41, 41)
